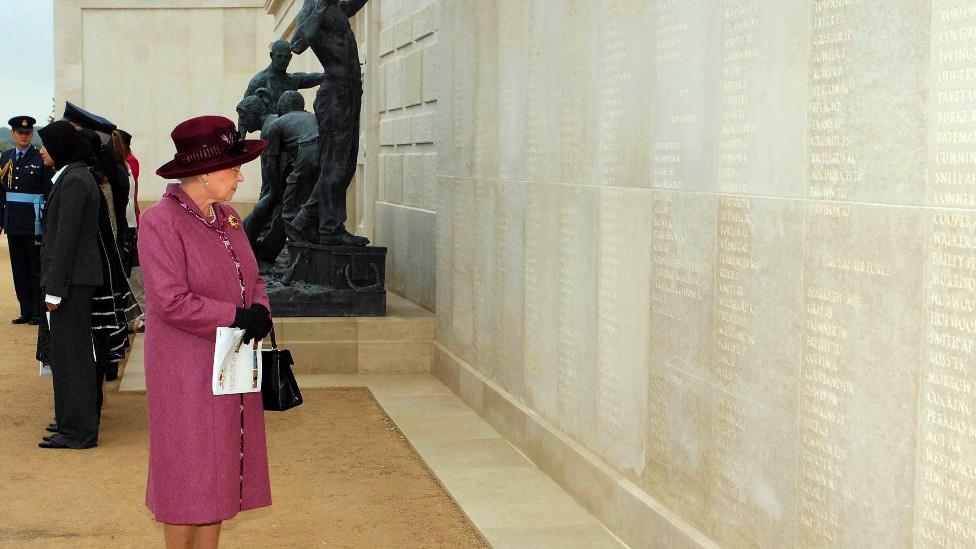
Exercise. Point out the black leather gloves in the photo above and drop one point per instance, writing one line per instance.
(255, 321)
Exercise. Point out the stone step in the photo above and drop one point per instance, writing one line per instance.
(401, 342)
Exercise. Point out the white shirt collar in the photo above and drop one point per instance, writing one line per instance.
(57, 174)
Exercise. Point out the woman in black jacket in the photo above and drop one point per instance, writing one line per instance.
(71, 270)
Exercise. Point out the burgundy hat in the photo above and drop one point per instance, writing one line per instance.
(208, 144)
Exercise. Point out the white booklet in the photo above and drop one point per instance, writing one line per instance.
(236, 367)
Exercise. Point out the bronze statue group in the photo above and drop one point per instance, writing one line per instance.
(311, 157)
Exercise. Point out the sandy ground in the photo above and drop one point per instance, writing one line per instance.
(341, 473)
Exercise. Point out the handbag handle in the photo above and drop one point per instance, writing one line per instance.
(274, 342)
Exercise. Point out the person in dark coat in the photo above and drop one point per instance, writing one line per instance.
(117, 188)
(71, 271)
(24, 185)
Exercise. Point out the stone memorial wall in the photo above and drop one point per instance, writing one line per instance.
(147, 65)
(711, 264)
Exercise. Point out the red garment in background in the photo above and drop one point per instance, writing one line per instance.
(133, 163)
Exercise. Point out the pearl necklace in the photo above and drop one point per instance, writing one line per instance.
(213, 214)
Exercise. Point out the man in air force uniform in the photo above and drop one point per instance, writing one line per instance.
(24, 185)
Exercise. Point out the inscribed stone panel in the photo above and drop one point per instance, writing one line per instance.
(412, 78)
(431, 71)
(686, 63)
(444, 287)
(404, 32)
(510, 286)
(463, 250)
(952, 119)
(403, 130)
(424, 22)
(867, 97)
(541, 298)
(623, 128)
(393, 178)
(682, 281)
(423, 128)
(486, 90)
(763, 99)
(413, 172)
(945, 504)
(428, 196)
(543, 101)
(577, 277)
(858, 384)
(577, 62)
(484, 277)
(513, 28)
(756, 350)
(381, 88)
(387, 40)
(457, 80)
(623, 322)
(387, 132)
(394, 84)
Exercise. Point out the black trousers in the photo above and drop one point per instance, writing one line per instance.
(337, 106)
(76, 381)
(25, 262)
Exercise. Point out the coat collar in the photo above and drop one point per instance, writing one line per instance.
(177, 190)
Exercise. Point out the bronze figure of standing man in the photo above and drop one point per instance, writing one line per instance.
(323, 26)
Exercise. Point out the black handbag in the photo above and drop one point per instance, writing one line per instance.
(279, 390)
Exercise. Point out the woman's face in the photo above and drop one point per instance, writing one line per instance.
(46, 157)
(223, 184)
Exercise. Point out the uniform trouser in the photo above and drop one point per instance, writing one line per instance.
(25, 262)
(337, 106)
(76, 384)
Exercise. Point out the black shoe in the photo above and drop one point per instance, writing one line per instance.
(345, 239)
(304, 236)
(49, 438)
(60, 442)
(52, 428)
(34, 321)
(20, 320)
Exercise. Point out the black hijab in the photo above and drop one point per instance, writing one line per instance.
(64, 143)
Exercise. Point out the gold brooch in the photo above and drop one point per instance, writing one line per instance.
(233, 222)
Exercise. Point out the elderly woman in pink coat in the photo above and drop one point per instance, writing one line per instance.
(207, 454)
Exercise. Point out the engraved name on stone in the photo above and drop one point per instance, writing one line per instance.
(666, 153)
(740, 20)
(612, 252)
(616, 78)
(833, 159)
(946, 483)
(569, 335)
(952, 119)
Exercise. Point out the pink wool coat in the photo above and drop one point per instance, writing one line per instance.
(196, 472)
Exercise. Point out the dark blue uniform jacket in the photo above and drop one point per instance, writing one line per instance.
(24, 187)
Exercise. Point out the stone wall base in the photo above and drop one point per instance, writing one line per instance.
(624, 508)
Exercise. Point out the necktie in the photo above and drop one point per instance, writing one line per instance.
(19, 155)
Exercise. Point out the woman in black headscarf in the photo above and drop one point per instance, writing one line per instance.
(112, 305)
(71, 270)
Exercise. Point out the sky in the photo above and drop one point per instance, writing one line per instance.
(27, 80)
